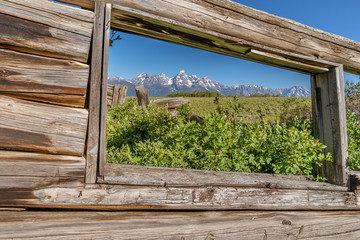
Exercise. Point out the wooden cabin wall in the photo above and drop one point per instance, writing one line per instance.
(44, 75)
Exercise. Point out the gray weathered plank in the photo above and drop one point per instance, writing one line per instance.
(92, 151)
(119, 94)
(180, 198)
(180, 225)
(104, 89)
(43, 79)
(171, 103)
(27, 183)
(38, 127)
(110, 94)
(13, 163)
(230, 28)
(142, 95)
(25, 26)
(87, 4)
(71, 19)
(173, 177)
(330, 123)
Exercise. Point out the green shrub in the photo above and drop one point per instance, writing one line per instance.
(353, 131)
(225, 141)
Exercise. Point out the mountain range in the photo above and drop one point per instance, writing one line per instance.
(160, 86)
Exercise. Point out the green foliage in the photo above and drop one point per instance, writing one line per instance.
(195, 94)
(353, 131)
(225, 141)
(114, 36)
(352, 94)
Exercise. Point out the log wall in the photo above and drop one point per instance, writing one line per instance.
(53, 104)
(44, 75)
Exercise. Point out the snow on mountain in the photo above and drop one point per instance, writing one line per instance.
(160, 85)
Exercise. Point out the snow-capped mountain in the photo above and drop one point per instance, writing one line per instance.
(160, 86)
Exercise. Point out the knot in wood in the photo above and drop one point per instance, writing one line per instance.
(286, 222)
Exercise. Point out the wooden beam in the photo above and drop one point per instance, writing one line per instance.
(23, 164)
(180, 225)
(116, 197)
(87, 4)
(104, 89)
(71, 19)
(92, 152)
(233, 29)
(43, 79)
(328, 100)
(39, 127)
(173, 177)
(52, 29)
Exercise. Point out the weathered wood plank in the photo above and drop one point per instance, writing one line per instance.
(104, 89)
(180, 198)
(59, 99)
(234, 29)
(71, 19)
(38, 127)
(110, 94)
(142, 95)
(173, 177)
(180, 225)
(25, 26)
(92, 151)
(43, 79)
(119, 94)
(330, 123)
(171, 103)
(82, 3)
(13, 163)
(28, 183)
(283, 62)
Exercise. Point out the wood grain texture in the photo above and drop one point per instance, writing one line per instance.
(104, 89)
(87, 4)
(110, 94)
(171, 103)
(119, 94)
(142, 95)
(13, 184)
(46, 28)
(330, 123)
(43, 79)
(173, 177)
(38, 127)
(180, 225)
(230, 28)
(23, 164)
(116, 197)
(92, 151)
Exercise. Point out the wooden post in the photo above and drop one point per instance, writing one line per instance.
(104, 88)
(92, 150)
(328, 103)
(142, 94)
(119, 94)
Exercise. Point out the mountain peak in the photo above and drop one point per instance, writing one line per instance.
(160, 86)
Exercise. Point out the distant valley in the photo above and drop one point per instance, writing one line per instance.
(160, 86)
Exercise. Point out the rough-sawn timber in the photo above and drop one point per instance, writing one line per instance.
(180, 225)
(46, 28)
(233, 29)
(43, 79)
(38, 127)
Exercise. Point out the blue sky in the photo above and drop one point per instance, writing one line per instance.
(134, 55)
